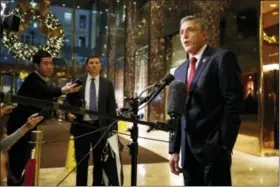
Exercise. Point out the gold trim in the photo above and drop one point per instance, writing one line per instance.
(261, 95)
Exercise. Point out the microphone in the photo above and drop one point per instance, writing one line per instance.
(48, 107)
(167, 79)
(176, 104)
(176, 99)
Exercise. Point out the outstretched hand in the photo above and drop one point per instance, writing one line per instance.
(31, 122)
(70, 88)
(5, 110)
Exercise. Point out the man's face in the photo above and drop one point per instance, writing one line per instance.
(45, 68)
(192, 38)
(93, 66)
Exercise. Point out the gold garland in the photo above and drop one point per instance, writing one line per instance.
(49, 25)
(270, 39)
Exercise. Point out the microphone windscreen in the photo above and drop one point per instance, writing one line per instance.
(168, 79)
(176, 99)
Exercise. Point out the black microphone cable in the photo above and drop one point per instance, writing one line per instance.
(87, 153)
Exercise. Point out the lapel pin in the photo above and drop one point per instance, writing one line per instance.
(204, 60)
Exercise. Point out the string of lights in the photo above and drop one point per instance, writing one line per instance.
(49, 24)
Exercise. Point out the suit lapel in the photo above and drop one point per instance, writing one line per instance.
(83, 87)
(202, 64)
(101, 90)
(182, 76)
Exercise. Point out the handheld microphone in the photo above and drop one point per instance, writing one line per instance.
(167, 79)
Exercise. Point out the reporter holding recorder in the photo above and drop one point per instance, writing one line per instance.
(34, 86)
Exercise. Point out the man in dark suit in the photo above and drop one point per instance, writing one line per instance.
(96, 94)
(34, 86)
(210, 125)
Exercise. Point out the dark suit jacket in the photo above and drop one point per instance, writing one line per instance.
(106, 104)
(34, 87)
(213, 107)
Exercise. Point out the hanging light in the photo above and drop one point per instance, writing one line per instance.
(33, 4)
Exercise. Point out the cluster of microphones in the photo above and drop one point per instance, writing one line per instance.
(176, 101)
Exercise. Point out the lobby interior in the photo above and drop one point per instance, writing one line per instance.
(138, 41)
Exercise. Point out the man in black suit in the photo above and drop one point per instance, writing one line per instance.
(210, 125)
(96, 94)
(34, 86)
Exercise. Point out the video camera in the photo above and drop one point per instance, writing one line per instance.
(9, 22)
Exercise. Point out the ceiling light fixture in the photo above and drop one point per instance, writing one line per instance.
(3, 7)
(273, 5)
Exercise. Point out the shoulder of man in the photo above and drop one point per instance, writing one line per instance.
(32, 76)
(220, 51)
(30, 79)
(105, 79)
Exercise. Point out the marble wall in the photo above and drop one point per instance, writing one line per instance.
(111, 42)
(157, 58)
(130, 48)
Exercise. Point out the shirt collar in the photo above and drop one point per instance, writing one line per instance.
(89, 77)
(41, 76)
(199, 53)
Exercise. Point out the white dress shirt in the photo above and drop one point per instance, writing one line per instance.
(198, 56)
(87, 94)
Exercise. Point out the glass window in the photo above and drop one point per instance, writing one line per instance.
(83, 21)
(82, 41)
(68, 17)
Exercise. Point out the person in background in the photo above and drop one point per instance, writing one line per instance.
(8, 141)
(34, 86)
(96, 94)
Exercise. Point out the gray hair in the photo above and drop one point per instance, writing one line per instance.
(200, 21)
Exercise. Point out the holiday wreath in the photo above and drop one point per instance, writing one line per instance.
(48, 24)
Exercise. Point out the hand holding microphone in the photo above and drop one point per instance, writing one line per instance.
(70, 88)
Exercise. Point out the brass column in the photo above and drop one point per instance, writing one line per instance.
(130, 48)
(112, 31)
(156, 53)
(37, 137)
(261, 83)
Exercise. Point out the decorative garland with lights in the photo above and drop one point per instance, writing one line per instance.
(49, 25)
(270, 39)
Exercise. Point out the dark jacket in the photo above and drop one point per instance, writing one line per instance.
(213, 107)
(106, 104)
(34, 87)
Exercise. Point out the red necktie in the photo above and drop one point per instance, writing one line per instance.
(192, 72)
